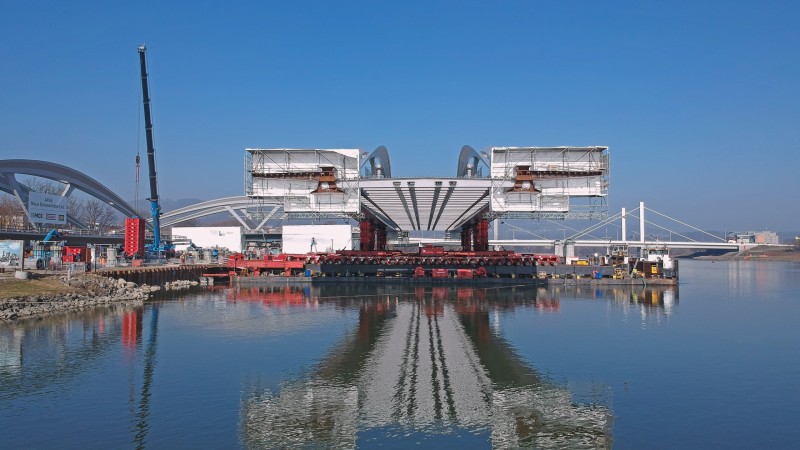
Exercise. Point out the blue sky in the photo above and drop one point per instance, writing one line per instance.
(698, 101)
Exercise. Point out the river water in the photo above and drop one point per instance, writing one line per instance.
(713, 363)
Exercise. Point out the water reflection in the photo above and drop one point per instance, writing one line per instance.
(422, 359)
(36, 353)
(753, 277)
(421, 362)
(142, 414)
(655, 299)
(33, 352)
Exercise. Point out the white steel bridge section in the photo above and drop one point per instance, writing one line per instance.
(530, 182)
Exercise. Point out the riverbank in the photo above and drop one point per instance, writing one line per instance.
(47, 294)
(760, 253)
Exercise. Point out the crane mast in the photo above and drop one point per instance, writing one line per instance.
(155, 209)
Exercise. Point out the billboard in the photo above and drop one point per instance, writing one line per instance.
(47, 208)
(10, 253)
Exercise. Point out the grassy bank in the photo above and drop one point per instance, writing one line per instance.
(48, 285)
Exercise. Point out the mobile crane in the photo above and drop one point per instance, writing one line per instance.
(155, 209)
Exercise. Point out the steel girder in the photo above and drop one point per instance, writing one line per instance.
(378, 159)
(468, 161)
(231, 205)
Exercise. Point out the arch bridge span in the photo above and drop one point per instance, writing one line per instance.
(70, 178)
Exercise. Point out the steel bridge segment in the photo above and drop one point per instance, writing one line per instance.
(378, 159)
(220, 205)
(405, 202)
(377, 212)
(63, 174)
(468, 161)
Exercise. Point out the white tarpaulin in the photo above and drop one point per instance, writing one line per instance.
(317, 238)
(210, 237)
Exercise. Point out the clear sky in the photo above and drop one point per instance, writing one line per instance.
(699, 102)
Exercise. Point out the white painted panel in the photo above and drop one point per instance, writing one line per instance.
(292, 175)
(207, 237)
(297, 238)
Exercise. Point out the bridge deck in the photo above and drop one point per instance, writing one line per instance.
(442, 204)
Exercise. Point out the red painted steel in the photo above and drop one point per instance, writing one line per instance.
(134, 237)
(75, 254)
(439, 273)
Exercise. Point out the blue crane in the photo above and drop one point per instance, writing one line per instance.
(155, 208)
(53, 234)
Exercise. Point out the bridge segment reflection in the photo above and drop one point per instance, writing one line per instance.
(422, 359)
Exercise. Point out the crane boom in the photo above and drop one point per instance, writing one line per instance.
(155, 208)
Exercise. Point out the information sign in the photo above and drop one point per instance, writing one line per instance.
(47, 208)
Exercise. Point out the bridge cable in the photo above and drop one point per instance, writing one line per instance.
(596, 226)
(685, 224)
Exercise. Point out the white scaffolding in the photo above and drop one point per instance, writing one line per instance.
(307, 182)
(549, 182)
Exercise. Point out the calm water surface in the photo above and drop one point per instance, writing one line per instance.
(713, 364)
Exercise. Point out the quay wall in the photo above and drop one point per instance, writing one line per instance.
(160, 275)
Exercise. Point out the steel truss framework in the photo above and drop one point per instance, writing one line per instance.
(70, 178)
(377, 164)
(469, 162)
(315, 182)
(251, 213)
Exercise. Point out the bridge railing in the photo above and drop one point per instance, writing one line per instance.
(65, 232)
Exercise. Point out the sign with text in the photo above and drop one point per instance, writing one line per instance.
(47, 208)
(10, 253)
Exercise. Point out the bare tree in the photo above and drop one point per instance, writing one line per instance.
(44, 186)
(98, 215)
(11, 213)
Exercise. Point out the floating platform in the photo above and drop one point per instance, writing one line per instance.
(434, 265)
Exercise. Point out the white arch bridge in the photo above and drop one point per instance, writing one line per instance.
(71, 179)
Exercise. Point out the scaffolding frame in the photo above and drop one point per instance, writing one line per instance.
(295, 178)
(568, 182)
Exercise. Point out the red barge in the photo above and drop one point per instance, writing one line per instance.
(427, 262)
